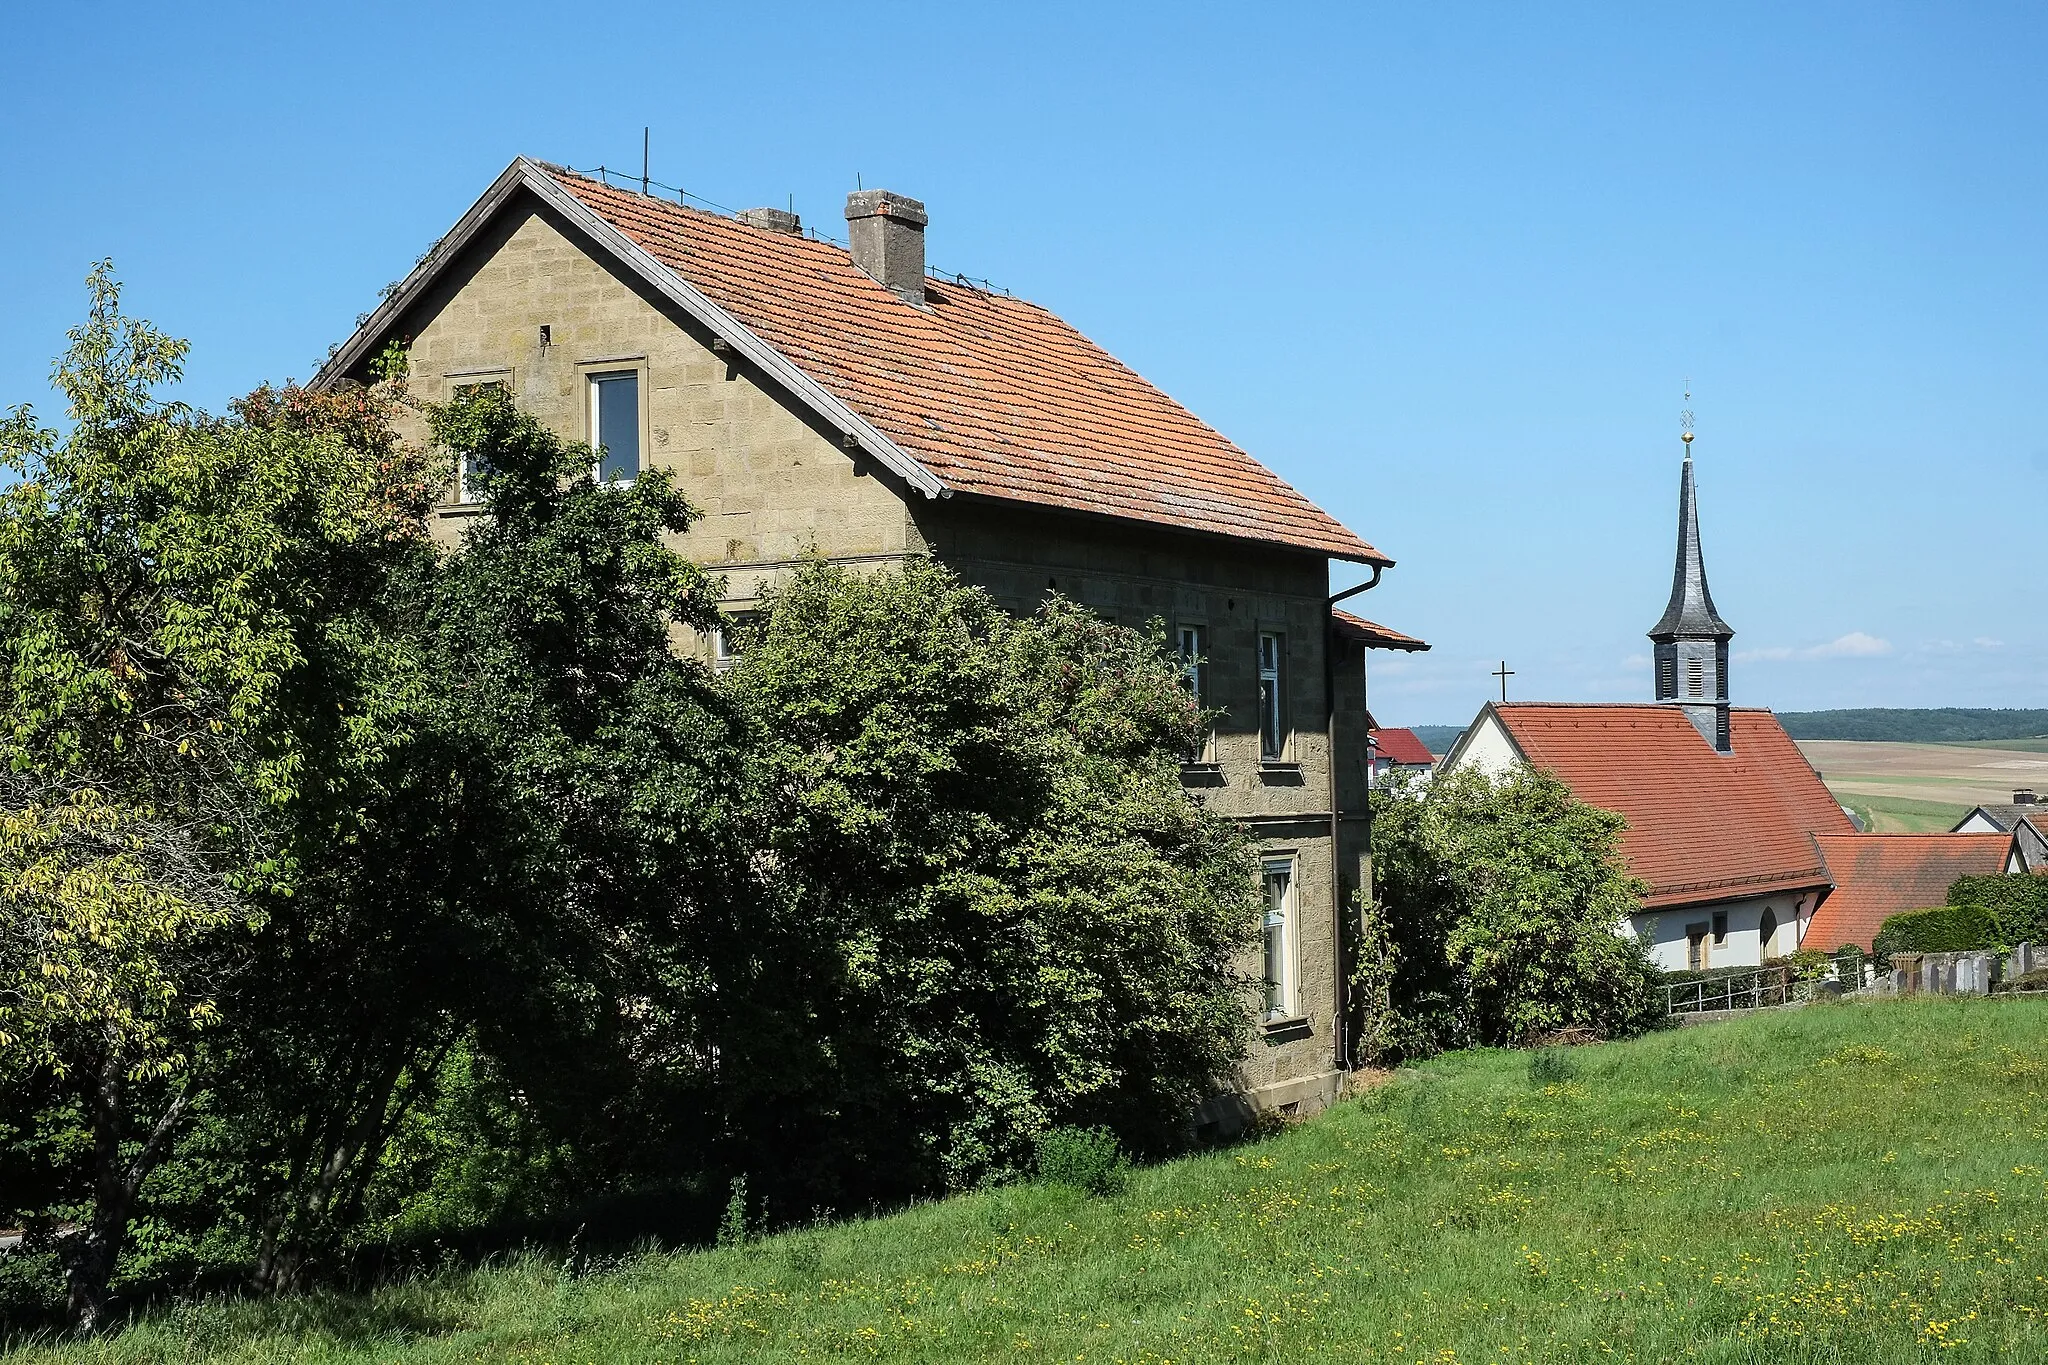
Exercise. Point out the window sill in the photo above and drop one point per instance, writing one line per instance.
(1290, 1030)
(1201, 774)
(460, 509)
(1275, 772)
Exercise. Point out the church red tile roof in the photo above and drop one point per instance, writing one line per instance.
(1877, 876)
(1703, 826)
(1401, 746)
(1373, 635)
(994, 395)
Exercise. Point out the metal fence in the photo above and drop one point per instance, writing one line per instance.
(1759, 989)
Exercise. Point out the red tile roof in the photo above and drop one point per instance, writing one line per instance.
(994, 395)
(1373, 635)
(1703, 826)
(1877, 876)
(1401, 746)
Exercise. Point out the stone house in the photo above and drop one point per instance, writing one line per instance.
(837, 401)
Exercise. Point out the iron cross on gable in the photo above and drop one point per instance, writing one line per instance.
(1503, 673)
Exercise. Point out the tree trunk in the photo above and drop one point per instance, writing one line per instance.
(94, 1252)
(95, 1249)
(333, 1172)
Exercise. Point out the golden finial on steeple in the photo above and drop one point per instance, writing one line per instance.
(1685, 421)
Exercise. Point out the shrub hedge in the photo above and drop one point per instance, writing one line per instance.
(2017, 903)
(1992, 912)
(1941, 929)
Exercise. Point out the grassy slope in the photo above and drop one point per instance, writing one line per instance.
(1900, 814)
(1852, 1183)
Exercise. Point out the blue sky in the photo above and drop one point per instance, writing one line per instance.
(1446, 268)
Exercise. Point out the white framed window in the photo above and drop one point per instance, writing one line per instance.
(1272, 695)
(1194, 665)
(468, 486)
(727, 639)
(1277, 937)
(614, 402)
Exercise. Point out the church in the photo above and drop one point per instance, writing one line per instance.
(1725, 815)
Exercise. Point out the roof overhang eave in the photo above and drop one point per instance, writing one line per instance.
(526, 174)
(1372, 639)
(1366, 555)
(1721, 893)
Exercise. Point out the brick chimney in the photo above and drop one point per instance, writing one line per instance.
(773, 220)
(887, 232)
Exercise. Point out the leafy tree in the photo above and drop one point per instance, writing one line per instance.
(524, 893)
(1501, 905)
(987, 905)
(159, 571)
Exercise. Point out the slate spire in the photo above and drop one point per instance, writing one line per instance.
(1691, 639)
(1691, 609)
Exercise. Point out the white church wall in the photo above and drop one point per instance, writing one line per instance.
(1663, 932)
(1486, 746)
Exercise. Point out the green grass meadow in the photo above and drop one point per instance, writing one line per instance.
(1904, 815)
(1845, 1183)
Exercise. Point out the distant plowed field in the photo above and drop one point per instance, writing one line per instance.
(1922, 786)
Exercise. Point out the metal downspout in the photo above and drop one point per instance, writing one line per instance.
(1341, 1020)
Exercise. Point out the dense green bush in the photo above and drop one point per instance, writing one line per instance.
(1939, 929)
(2017, 903)
(1497, 920)
(986, 905)
(1085, 1159)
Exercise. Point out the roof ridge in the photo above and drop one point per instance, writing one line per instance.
(1631, 706)
(1917, 834)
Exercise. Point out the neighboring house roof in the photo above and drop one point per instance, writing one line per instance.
(1877, 876)
(975, 393)
(2007, 815)
(1401, 746)
(1373, 635)
(1702, 826)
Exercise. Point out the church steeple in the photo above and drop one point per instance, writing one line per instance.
(1691, 639)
